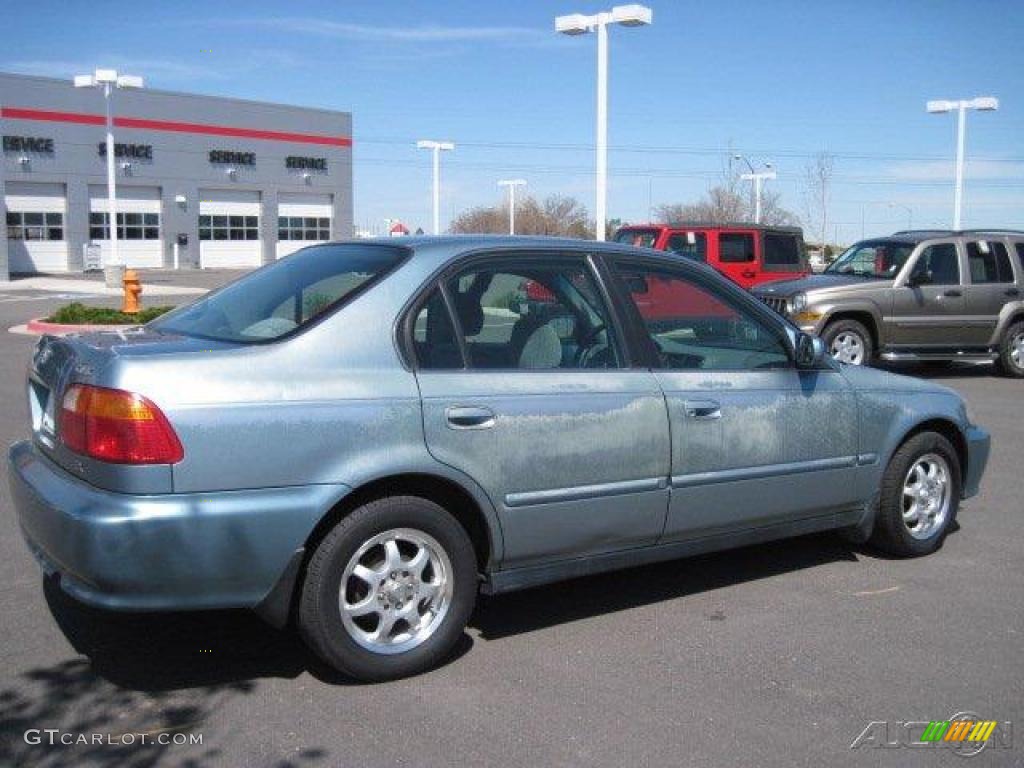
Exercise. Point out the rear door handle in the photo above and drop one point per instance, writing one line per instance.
(469, 417)
(702, 410)
(952, 293)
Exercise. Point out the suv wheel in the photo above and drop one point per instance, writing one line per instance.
(1011, 351)
(848, 341)
(919, 497)
(389, 590)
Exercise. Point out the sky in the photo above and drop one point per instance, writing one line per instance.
(776, 80)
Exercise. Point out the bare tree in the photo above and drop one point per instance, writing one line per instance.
(724, 204)
(556, 215)
(817, 193)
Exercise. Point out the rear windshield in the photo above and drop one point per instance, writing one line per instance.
(644, 238)
(284, 296)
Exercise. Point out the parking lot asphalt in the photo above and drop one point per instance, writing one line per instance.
(777, 654)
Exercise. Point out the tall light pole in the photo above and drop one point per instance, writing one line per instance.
(757, 178)
(982, 104)
(437, 147)
(512, 184)
(108, 80)
(633, 15)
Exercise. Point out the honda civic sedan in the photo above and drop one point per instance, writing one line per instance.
(361, 437)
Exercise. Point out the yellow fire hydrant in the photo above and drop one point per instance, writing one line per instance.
(132, 290)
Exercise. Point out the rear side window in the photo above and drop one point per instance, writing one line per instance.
(285, 296)
(781, 251)
(642, 238)
(735, 247)
(692, 245)
(988, 262)
(433, 336)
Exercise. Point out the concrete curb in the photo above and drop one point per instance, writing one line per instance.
(39, 326)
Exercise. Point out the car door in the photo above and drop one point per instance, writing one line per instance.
(991, 286)
(929, 306)
(532, 395)
(755, 441)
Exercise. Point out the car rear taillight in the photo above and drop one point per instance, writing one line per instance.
(116, 426)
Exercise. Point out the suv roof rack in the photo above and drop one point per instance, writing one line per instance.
(953, 232)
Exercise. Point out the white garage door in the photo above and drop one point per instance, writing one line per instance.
(139, 242)
(36, 233)
(229, 228)
(303, 220)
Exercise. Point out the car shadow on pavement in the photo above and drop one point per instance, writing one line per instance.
(504, 615)
(951, 370)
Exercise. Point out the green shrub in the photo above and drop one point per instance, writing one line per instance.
(77, 313)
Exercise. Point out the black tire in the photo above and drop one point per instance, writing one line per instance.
(834, 329)
(891, 534)
(319, 615)
(1005, 362)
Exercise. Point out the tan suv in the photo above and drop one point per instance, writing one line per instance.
(933, 295)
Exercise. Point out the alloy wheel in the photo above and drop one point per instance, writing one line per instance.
(848, 347)
(395, 591)
(927, 496)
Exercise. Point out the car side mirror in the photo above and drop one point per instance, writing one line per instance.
(810, 351)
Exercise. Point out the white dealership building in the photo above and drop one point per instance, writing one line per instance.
(201, 181)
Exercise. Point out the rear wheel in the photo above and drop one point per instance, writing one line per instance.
(849, 341)
(919, 497)
(389, 590)
(1011, 351)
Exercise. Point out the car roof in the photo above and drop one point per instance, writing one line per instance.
(716, 225)
(918, 235)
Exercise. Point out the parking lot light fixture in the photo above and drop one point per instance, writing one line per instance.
(943, 106)
(757, 179)
(108, 80)
(632, 15)
(512, 184)
(437, 147)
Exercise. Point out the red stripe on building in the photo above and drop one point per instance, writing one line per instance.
(16, 113)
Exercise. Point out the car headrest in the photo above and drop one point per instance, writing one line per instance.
(535, 344)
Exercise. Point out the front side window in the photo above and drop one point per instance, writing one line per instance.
(872, 258)
(691, 245)
(229, 227)
(35, 226)
(693, 327)
(735, 247)
(284, 296)
(781, 251)
(938, 265)
(988, 262)
(642, 238)
(533, 314)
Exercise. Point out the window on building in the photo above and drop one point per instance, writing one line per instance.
(303, 228)
(229, 227)
(989, 262)
(35, 226)
(130, 226)
(735, 247)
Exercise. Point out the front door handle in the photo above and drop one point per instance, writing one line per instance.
(1012, 292)
(749, 273)
(469, 417)
(702, 410)
(952, 293)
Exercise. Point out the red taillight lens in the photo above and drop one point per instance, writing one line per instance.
(116, 426)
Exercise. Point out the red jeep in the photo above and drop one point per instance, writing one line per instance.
(750, 254)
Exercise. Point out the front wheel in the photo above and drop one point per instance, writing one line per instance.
(848, 341)
(389, 590)
(919, 497)
(1011, 351)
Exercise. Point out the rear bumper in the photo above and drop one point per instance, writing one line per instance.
(979, 444)
(224, 549)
